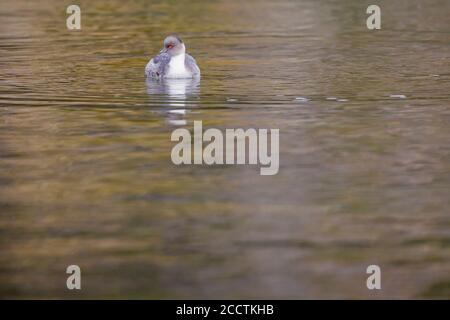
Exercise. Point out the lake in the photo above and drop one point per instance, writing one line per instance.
(86, 176)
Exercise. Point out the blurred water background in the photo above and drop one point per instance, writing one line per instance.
(86, 176)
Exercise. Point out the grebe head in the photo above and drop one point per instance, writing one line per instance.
(173, 45)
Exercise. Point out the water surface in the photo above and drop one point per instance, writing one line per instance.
(86, 176)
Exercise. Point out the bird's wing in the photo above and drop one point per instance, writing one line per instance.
(156, 66)
(191, 65)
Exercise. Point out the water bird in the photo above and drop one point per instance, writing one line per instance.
(172, 61)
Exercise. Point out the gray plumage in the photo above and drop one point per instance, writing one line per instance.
(157, 66)
(191, 64)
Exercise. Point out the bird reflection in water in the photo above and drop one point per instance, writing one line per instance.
(179, 95)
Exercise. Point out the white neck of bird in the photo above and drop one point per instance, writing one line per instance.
(182, 51)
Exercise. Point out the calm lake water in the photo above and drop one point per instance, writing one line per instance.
(86, 176)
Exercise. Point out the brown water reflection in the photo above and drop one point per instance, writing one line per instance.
(86, 176)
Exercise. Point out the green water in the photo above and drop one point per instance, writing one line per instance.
(86, 176)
